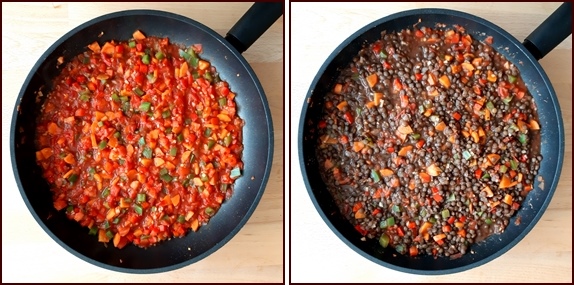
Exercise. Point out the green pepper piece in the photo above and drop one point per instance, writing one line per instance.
(145, 106)
(384, 240)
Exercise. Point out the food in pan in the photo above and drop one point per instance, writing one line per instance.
(429, 141)
(140, 140)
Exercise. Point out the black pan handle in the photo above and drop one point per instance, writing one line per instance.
(551, 32)
(253, 24)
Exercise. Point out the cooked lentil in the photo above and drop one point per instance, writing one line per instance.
(429, 141)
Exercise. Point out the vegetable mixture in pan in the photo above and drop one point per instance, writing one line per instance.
(139, 140)
(429, 141)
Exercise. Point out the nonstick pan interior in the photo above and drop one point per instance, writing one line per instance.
(552, 134)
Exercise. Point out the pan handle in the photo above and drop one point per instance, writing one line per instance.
(253, 24)
(551, 32)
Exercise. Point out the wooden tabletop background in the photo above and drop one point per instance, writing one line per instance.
(318, 255)
(255, 254)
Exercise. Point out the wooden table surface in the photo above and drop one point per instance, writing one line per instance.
(317, 254)
(255, 254)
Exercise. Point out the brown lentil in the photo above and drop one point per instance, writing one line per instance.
(429, 141)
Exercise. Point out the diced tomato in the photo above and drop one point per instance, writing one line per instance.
(349, 117)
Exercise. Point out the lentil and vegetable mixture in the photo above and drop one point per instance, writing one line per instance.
(139, 140)
(429, 141)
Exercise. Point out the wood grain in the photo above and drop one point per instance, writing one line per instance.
(255, 254)
(318, 255)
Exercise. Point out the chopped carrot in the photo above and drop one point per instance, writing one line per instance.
(360, 214)
(425, 227)
(138, 35)
(444, 81)
(112, 141)
(439, 237)
(108, 48)
(60, 204)
(491, 76)
(477, 61)
(519, 178)
(68, 174)
(146, 162)
(46, 152)
(102, 237)
(481, 132)
(459, 224)
(404, 150)
(395, 182)
(413, 251)
(488, 191)
(507, 199)
(405, 130)
(194, 225)
(533, 124)
(433, 170)
(117, 239)
(505, 182)
(440, 126)
(53, 128)
(158, 161)
(342, 105)
(372, 80)
(95, 47)
(203, 65)
(467, 66)
(39, 156)
(512, 173)
(493, 158)
(175, 200)
(455, 68)
(358, 146)
(412, 184)
(475, 137)
(70, 159)
(425, 177)
(377, 194)
(183, 69)
(385, 172)
(494, 204)
(338, 88)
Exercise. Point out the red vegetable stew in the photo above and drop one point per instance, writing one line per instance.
(429, 141)
(139, 140)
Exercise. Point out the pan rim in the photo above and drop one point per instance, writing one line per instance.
(422, 12)
(222, 43)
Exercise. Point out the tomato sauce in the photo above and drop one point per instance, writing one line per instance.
(140, 140)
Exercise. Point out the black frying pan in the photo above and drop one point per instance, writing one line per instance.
(225, 55)
(524, 56)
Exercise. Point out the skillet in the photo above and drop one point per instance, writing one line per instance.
(225, 54)
(525, 56)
